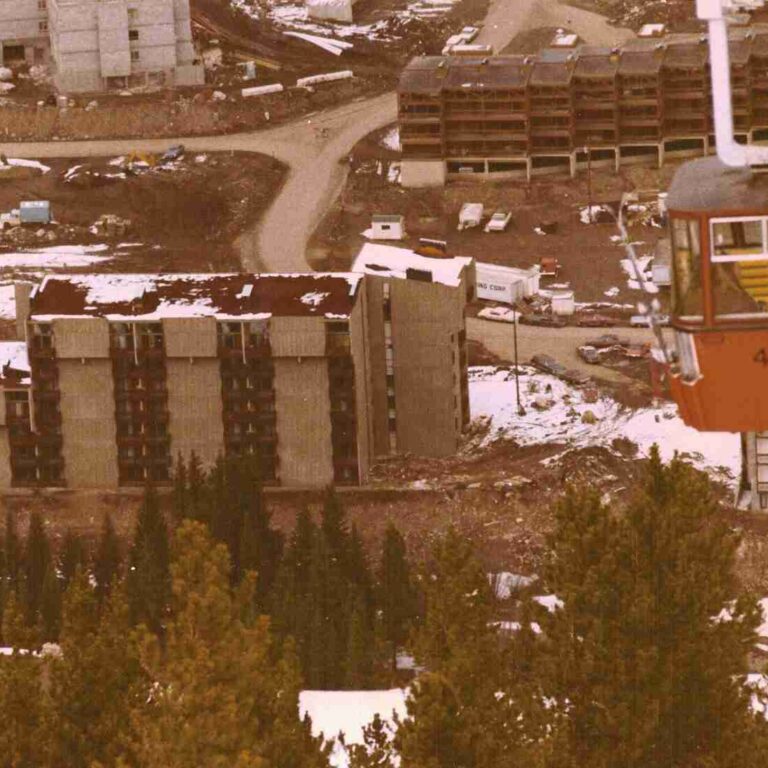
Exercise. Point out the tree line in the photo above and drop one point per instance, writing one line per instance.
(345, 616)
(196, 654)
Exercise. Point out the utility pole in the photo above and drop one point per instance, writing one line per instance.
(520, 409)
(588, 152)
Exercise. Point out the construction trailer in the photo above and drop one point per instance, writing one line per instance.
(387, 227)
(566, 110)
(35, 212)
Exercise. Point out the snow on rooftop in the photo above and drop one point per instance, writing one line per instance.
(56, 256)
(157, 296)
(391, 261)
(348, 712)
(13, 355)
(7, 301)
(314, 298)
(492, 396)
(550, 602)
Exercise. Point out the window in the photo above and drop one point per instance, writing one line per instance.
(231, 335)
(43, 25)
(133, 15)
(134, 55)
(41, 5)
(133, 34)
(740, 266)
(686, 248)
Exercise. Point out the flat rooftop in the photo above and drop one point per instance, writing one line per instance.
(222, 296)
(391, 261)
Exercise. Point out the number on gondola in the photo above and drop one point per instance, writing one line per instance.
(761, 357)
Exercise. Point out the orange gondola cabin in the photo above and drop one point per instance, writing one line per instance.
(719, 226)
(718, 212)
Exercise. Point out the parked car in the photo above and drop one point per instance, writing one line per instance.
(607, 340)
(468, 34)
(637, 350)
(596, 321)
(589, 355)
(545, 321)
(498, 222)
(173, 153)
(548, 365)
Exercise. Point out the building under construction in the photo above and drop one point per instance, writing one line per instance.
(562, 109)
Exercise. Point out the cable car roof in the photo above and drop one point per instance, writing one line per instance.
(708, 186)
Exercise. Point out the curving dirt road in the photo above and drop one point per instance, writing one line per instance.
(317, 174)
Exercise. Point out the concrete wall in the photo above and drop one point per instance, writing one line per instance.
(88, 422)
(426, 320)
(297, 336)
(81, 337)
(303, 422)
(422, 173)
(358, 323)
(20, 21)
(5, 454)
(194, 402)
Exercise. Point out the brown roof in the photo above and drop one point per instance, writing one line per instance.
(596, 61)
(424, 74)
(687, 55)
(153, 297)
(492, 72)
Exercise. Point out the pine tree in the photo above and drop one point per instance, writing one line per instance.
(148, 578)
(12, 552)
(378, 749)
(220, 699)
(180, 490)
(467, 710)
(397, 593)
(73, 555)
(50, 606)
(107, 559)
(651, 675)
(23, 736)
(96, 682)
(37, 559)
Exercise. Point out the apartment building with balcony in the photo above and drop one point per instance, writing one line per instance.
(95, 45)
(120, 374)
(562, 110)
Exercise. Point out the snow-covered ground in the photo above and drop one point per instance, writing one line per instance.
(55, 256)
(492, 397)
(348, 712)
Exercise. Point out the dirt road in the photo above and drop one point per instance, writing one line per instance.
(507, 18)
(561, 344)
(317, 173)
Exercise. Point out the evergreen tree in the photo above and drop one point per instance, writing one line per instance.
(650, 646)
(13, 553)
(107, 559)
(37, 559)
(468, 710)
(220, 697)
(23, 736)
(148, 578)
(181, 508)
(50, 606)
(74, 556)
(377, 749)
(397, 594)
(96, 682)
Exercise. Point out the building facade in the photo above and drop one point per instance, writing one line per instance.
(95, 45)
(561, 111)
(126, 372)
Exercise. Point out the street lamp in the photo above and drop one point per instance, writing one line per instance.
(520, 409)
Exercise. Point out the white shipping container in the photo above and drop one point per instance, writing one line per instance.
(505, 284)
(262, 90)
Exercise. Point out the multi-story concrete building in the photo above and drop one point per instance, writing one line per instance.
(126, 372)
(564, 110)
(23, 31)
(95, 45)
